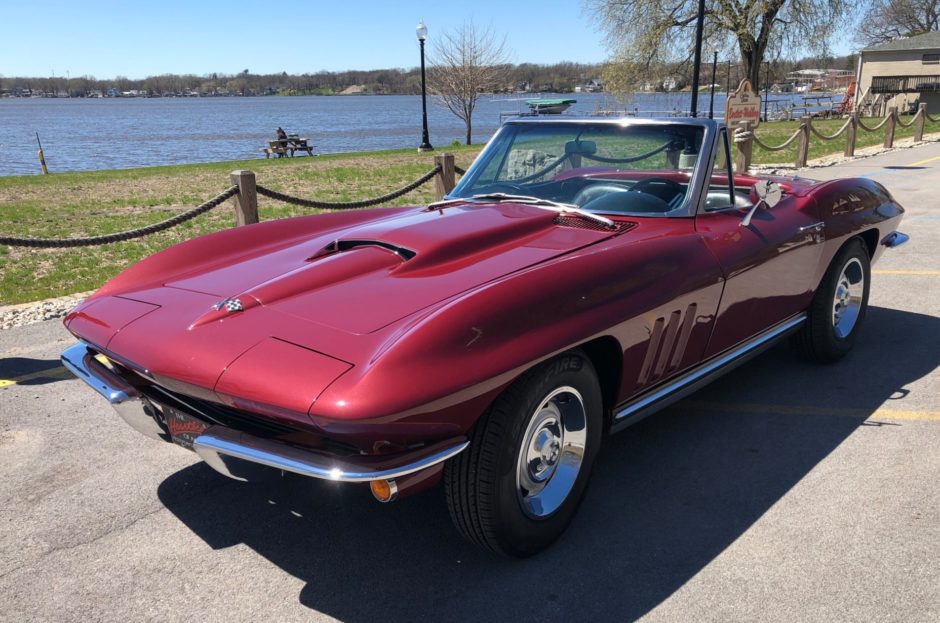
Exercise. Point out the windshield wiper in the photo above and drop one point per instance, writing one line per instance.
(547, 204)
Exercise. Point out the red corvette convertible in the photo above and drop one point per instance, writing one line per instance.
(582, 275)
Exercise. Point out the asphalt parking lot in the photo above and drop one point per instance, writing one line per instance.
(784, 491)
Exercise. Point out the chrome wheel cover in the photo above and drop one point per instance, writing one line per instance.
(847, 302)
(551, 453)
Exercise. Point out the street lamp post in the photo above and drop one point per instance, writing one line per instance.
(697, 57)
(422, 31)
(711, 99)
(766, 89)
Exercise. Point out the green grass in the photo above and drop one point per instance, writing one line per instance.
(776, 132)
(91, 203)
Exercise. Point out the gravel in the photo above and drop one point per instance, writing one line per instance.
(38, 311)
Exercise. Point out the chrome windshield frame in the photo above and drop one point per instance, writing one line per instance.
(697, 181)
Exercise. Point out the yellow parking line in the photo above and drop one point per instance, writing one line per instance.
(881, 413)
(919, 162)
(52, 373)
(904, 272)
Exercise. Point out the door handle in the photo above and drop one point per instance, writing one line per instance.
(815, 227)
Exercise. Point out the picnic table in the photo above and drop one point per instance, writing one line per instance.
(287, 147)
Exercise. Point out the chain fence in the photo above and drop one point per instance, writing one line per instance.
(62, 243)
(862, 125)
(232, 191)
(832, 137)
(745, 137)
(348, 205)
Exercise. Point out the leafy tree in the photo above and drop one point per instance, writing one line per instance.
(648, 32)
(465, 63)
(893, 19)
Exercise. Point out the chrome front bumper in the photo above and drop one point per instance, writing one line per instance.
(238, 455)
(133, 408)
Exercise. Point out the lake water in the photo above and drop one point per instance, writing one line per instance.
(89, 134)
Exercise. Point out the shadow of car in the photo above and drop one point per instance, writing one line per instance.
(668, 496)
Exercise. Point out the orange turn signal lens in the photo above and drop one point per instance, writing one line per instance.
(384, 490)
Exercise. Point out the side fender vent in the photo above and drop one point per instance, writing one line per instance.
(668, 341)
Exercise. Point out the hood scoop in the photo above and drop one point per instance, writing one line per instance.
(338, 246)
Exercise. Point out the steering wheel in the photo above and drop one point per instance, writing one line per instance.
(661, 187)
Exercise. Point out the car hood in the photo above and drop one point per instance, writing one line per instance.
(368, 276)
(323, 293)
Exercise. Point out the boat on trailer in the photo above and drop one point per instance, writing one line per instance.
(549, 106)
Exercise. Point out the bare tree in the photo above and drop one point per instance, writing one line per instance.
(648, 32)
(893, 19)
(464, 64)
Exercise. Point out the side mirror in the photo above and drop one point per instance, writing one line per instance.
(768, 192)
(769, 195)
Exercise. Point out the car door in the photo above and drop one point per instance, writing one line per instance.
(769, 266)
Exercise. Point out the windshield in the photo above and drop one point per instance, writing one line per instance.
(602, 168)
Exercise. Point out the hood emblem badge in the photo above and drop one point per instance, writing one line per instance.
(230, 305)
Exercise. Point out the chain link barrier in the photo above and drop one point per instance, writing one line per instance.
(459, 171)
(831, 137)
(629, 159)
(909, 123)
(862, 125)
(63, 243)
(741, 136)
(347, 205)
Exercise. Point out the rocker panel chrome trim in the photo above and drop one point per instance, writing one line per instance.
(672, 391)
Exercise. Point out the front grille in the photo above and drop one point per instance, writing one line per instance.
(244, 421)
(218, 413)
(212, 412)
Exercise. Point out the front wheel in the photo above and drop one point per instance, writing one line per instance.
(518, 485)
(838, 308)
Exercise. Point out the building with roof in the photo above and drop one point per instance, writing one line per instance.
(899, 73)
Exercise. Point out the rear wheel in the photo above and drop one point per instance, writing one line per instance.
(518, 485)
(838, 308)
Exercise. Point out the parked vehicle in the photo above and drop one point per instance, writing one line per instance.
(582, 275)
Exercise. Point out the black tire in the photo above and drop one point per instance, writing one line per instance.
(481, 483)
(819, 339)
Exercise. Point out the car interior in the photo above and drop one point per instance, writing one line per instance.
(596, 173)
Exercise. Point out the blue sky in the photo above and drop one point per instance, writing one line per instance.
(106, 38)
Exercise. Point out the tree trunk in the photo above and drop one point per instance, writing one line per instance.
(751, 57)
(469, 131)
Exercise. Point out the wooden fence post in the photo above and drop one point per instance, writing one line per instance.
(889, 126)
(850, 133)
(444, 181)
(802, 149)
(246, 201)
(745, 150)
(919, 122)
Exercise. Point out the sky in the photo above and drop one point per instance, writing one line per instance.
(108, 38)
